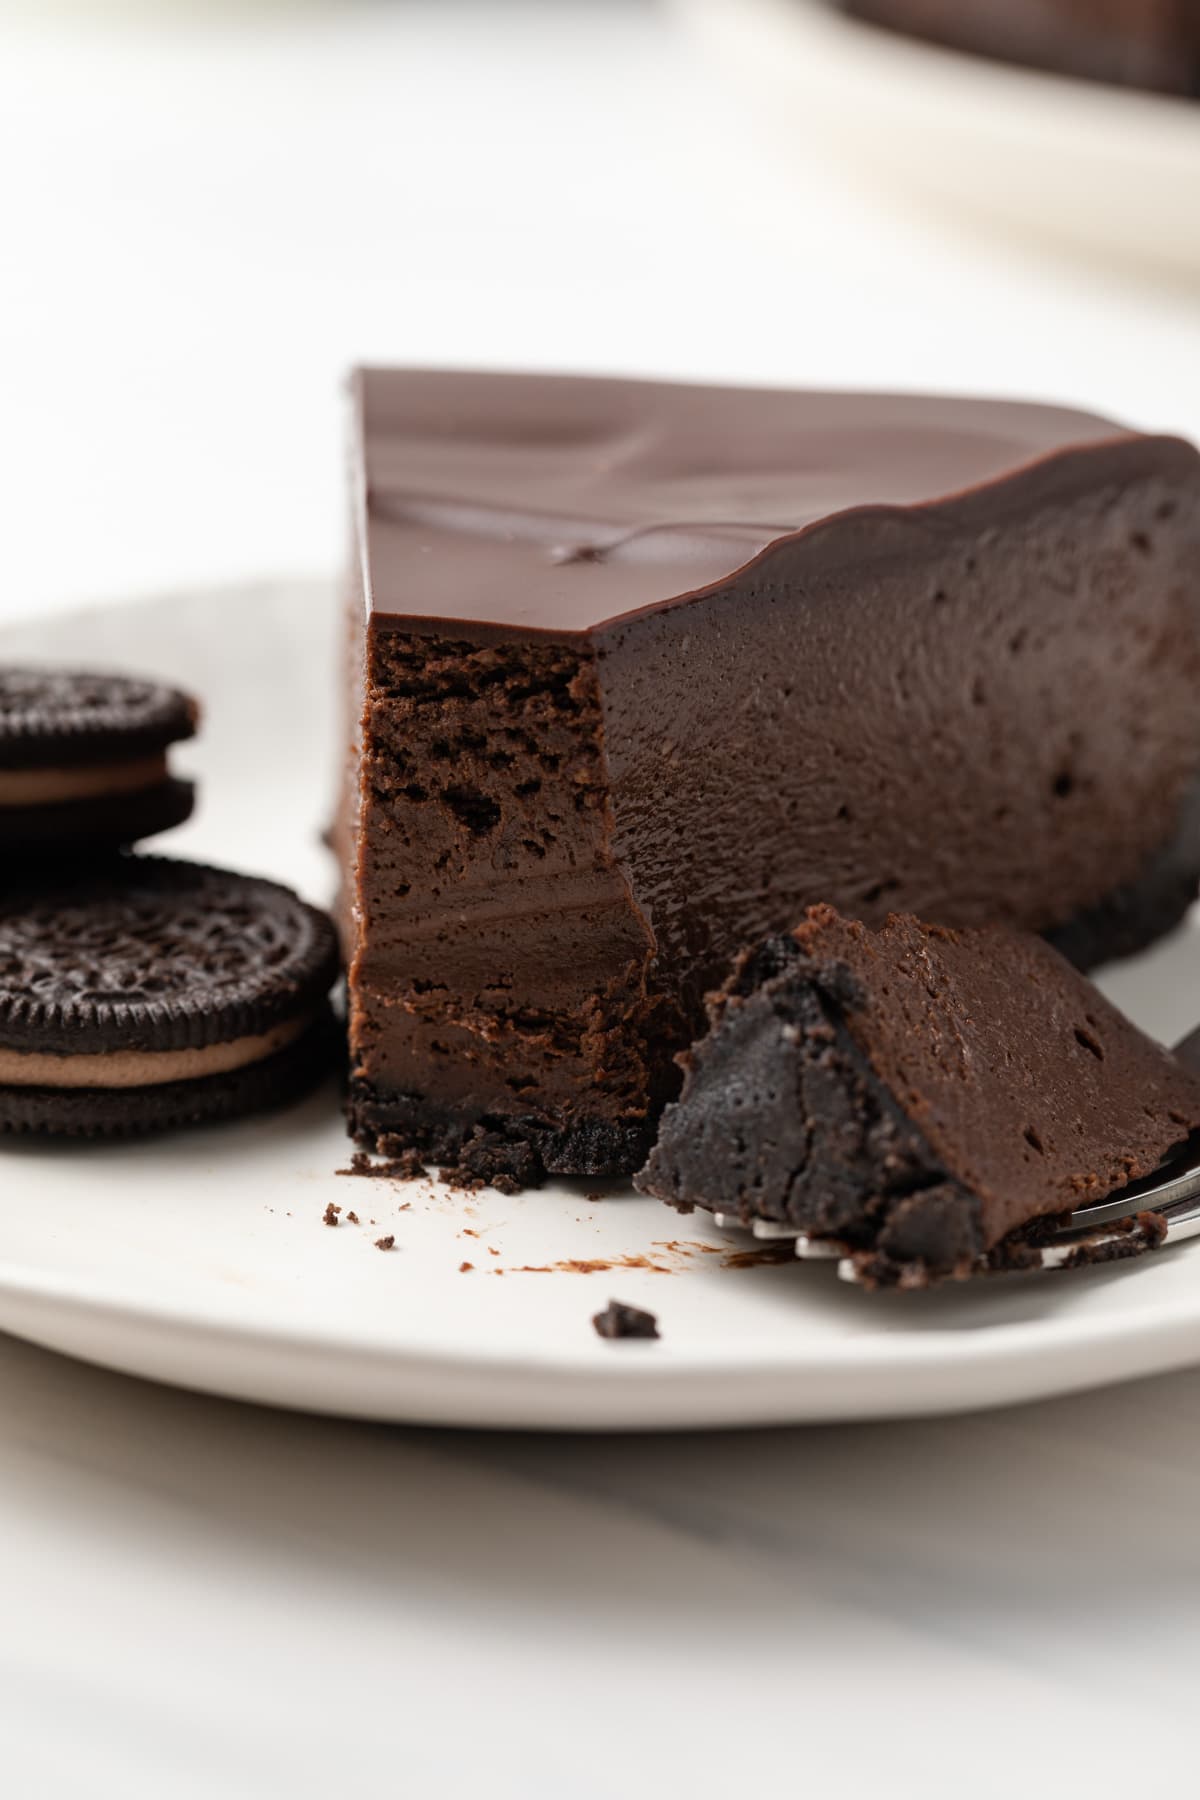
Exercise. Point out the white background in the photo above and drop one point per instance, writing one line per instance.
(202, 223)
(205, 220)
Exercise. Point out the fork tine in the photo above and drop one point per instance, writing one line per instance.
(813, 1249)
(768, 1230)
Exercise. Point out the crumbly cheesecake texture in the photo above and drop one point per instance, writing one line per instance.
(916, 1094)
(1136, 43)
(638, 671)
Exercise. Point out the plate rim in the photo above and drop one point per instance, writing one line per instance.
(576, 1390)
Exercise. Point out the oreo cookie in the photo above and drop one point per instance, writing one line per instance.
(83, 759)
(148, 993)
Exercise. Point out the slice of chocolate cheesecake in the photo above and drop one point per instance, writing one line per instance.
(915, 1094)
(639, 670)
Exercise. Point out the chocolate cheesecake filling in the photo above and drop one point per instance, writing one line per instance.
(639, 672)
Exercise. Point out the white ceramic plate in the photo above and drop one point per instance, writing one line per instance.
(1102, 168)
(202, 1259)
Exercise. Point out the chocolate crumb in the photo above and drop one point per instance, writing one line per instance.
(330, 1215)
(462, 1179)
(621, 1321)
(399, 1165)
(464, 1267)
(385, 1243)
(352, 1218)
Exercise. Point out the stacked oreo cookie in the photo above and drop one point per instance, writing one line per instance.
(136, 992)
(83, 760)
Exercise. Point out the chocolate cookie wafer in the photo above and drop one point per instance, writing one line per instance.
(150, 993)
(83, 759)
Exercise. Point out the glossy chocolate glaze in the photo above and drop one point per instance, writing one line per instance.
(562, 504)
(648, 669)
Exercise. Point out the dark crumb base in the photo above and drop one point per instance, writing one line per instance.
(132, 1112)
(506, 1153)
(621, 1321)
(108, 821)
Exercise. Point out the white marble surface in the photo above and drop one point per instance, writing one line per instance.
(202, 1599)
(205, 224)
